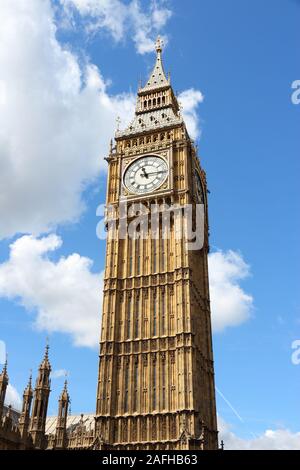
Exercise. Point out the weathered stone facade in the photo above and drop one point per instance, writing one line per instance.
(156, 377)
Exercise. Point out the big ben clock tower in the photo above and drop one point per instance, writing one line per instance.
(156, 377)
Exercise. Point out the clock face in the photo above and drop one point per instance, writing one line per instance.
(146, 174)
(199, 188)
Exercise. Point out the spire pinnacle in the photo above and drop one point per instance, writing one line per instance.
(4, 370)
(45, 362)
(5, 364)
(29, 385)
(158, 77)
(46, 355)
(159, 44)
(65, 394)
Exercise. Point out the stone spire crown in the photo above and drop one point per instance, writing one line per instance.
(157, 106)
(4, 374)
(65, 394)
(45, 364)
(157, 78)
(28, 390)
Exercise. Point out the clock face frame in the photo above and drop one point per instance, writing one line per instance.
(199, 187)
(145, 174)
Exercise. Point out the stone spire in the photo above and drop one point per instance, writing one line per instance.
(3, 387)
(61, 426)
(24, 419)
(158, 77)
(40, 405)
(65, 394)
(157, 106)
(45, 364)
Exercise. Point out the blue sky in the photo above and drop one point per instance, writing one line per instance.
(242, 56)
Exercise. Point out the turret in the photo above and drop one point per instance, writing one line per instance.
(61, 426)
(3, 387)
(40, 404)
(24, 419)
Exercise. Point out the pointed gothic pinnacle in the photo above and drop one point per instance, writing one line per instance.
(4, 370)
(65, 393)
(29, 385)
(158, 77)
(159, 45)
(45, 362)
(46, 356)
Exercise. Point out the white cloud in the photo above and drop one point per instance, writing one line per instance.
(278, 439)
(56, 120)
(230, 305)
(58, 373)
(56, 115)
(189, 100)
(12, 397)
(65, 295)
(121, 19)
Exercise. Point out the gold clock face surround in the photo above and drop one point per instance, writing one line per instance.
(145, 174)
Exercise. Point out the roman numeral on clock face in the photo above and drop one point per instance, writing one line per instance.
(145, 174)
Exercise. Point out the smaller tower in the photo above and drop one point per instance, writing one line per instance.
(3, 387)
(24, 419)
(40, 404)
(61, 426)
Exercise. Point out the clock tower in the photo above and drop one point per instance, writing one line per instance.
(156, 378)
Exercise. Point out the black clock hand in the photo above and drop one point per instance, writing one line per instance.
(157, 172)
(144, 174)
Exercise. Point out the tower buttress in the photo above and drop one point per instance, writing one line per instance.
(3, 387)
(24, 419)
(61, 426)
(40, 404)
